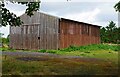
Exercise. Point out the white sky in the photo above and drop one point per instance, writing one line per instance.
(98, 13)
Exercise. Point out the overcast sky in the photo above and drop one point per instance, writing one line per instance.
(98, 13)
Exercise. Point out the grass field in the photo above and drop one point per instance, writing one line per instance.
(103, 59)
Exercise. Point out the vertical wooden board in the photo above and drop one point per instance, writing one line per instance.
(65, 30)
(77, 40)
(40, 32)
(48, 33)
(45, 17)
(36, 36)
(29, 37)
(62, 35)
(32, 37)
(55, 33)
(52, 36)
(90, 33)
(77, 34)
(68, 34)
(57, 27)
(23, 38)
(80, 33)
(68, 38)
(73, 35)
(16, 39)
(38, 40)
(46, 36)
(52, 33)
(43, 32)
(85, 39)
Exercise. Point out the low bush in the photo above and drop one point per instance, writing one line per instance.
(92, 48)
(42, 50)
(51, 51)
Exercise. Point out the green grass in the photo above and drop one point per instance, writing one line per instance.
(93, 47)
(107, 62)
(56, 66)
(7, 49)
(102, 51)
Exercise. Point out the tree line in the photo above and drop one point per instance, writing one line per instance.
(110, 33)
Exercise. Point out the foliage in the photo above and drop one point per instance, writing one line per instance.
(110, 34)
(117, 6)
(5, 40)
(7, 49)
(42, 50)
(93, 47)
(11, 19)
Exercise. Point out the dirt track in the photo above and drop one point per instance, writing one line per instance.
(26, 55)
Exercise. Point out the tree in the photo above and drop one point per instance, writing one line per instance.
(117, 6)
(110, 33)
(103, 35)
(11, 19)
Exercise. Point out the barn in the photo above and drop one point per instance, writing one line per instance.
(43, 31)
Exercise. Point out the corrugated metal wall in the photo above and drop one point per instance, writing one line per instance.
(38, 32)
(74, 33)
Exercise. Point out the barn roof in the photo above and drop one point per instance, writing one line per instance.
(79, 22)
(68, 19)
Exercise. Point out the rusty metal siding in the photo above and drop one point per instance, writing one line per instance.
(39, 31)
(78, 34)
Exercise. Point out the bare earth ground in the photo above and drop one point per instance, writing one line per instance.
(53, 64)
(33, 56)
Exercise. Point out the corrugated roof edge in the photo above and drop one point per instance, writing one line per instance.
(42, 13)
(67, 19)
(80, 22)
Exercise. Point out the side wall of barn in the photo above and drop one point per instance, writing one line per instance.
(39, 31)
(75, 33)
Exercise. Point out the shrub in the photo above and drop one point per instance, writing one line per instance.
(42, 50)
(51, 51)
(92, 48)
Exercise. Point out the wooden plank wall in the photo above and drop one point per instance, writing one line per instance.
(48, 32)
(72, 33)
(38, 32)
